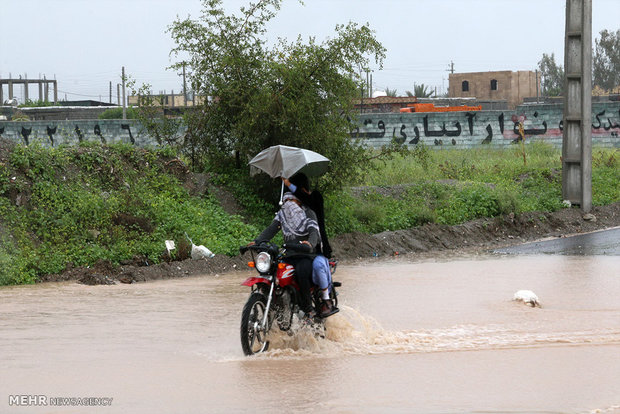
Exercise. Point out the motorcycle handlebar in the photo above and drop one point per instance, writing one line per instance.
(300, 248)
(258, 247)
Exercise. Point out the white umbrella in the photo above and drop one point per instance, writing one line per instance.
(284, 161)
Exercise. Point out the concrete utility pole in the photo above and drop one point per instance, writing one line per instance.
(577, 139)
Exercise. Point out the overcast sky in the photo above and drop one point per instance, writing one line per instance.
(84, 43)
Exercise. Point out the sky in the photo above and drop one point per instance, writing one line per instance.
(84, 43)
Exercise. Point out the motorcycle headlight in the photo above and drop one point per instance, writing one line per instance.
(263, 262)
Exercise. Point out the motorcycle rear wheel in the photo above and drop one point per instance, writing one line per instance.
(253, 338)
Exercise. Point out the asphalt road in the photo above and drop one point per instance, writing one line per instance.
(604, 242)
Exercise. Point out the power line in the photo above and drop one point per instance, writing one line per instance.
(78, 94)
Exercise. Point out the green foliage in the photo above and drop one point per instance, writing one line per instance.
(150, 113)
(92, 202)
(421, 91)
(294, 93)
(19, 116)
(606, 60)
(377, 212)
(605, 176)
(552, 76)
(35, 104)
(453, 186)
(468, 203)
(117, 113)
(391, 92)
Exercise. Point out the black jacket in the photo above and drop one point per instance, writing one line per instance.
(314, 200)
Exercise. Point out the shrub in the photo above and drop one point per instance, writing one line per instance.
(117, 113)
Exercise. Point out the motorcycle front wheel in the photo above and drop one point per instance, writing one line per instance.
(253, 337)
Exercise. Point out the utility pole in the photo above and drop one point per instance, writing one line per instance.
(577, 138)
(451, 70)
(536, 85)
(124, 108)
(184, 87)
(362, 96)
(110, 91)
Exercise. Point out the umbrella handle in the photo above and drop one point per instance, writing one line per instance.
(281, 192)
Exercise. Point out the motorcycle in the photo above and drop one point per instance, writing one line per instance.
(275, 294)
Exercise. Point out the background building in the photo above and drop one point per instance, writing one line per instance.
(512, 87)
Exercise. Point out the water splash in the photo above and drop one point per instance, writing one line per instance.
(351, 333)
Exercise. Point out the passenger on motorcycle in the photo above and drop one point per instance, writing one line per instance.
(299, 225)
(321, 274)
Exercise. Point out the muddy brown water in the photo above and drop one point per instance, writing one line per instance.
(411, 337)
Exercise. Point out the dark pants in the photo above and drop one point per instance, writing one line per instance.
(303, 276)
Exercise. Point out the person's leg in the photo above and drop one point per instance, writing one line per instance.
(321, 275)
(303, 273)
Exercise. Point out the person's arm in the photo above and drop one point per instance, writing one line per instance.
(314, 237)
(268, 234)
(298, 192)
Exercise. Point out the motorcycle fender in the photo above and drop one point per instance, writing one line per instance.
(251, 281)
(286, 276)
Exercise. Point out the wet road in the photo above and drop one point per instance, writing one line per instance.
(604, 242)
(412, 337)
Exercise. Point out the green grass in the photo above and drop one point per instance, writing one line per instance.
(89, 203)
(450, 186)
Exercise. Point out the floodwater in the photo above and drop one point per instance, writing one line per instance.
(411, 337)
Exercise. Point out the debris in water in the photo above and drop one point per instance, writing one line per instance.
(528, 297)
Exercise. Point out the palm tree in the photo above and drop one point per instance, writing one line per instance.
(420, 91)
(390, 92)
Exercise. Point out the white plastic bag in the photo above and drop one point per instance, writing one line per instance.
(199, 252)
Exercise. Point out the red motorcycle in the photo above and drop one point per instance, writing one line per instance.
(275, 294)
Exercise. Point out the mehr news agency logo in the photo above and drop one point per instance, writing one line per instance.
(44, 400)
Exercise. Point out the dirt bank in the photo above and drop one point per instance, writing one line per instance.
(425, 241)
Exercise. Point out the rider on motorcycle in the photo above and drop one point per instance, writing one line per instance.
(321, 275)
(299, 226)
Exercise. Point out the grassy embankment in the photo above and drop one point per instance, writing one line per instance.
(453, 186)
(83, 204)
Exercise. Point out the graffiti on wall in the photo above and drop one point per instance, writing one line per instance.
(436, 130)
(68, 132)
(459, 129)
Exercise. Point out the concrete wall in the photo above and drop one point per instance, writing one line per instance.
(54, 133)
(493, 128)
(439, 130)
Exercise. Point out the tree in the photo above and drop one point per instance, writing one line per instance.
(391, 92)
(294, 93)
(606, 61)
(552, 76)
(151, 114)
(420, 91)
